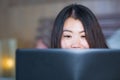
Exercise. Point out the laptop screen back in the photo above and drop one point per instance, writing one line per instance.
(66, 64)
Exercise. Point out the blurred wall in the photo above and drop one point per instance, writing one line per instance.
(20, 21)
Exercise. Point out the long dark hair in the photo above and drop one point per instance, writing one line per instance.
(94, 35)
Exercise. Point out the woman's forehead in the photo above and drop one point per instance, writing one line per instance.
(73, 24)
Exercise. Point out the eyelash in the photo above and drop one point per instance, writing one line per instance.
(67, 36)
(83, 36)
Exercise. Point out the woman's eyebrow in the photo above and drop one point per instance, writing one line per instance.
(81, 31)
(67, 31)
(71, 31)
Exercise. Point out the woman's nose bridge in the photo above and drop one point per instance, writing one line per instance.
(76, 40)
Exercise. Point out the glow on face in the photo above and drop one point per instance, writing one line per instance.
(73, 34)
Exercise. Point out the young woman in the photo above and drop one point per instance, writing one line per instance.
(77, 27)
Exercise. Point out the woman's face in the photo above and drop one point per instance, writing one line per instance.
(73, 34)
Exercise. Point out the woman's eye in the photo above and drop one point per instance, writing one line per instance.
(67, 36)
(83, 36)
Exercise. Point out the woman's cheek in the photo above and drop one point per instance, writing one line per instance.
(65, 43)
(85, 44)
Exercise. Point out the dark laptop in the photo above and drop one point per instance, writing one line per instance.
(67, 64)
